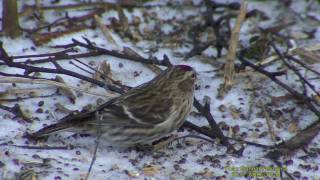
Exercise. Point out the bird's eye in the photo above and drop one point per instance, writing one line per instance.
(193, 75)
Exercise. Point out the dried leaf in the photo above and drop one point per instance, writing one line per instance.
(235, 112)
(206, 173)
(68, 92)
(105, 69)
(103, 72)
(24, 113)
(299, 140)
(150, 170)
(316, 98)
(132, 173)
(136, 36)
(123, 19)
(26, 175)
(276, 100)
(114, 167)
(293, 127)
(62, 108)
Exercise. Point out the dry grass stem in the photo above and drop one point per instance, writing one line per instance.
(105, 30)
(48, 82)
(229, 66)
(269, 123)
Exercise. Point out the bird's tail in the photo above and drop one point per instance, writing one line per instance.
(49, 130)
(71, 121)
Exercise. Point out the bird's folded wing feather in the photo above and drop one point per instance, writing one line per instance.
(129, 113)
(151, 112)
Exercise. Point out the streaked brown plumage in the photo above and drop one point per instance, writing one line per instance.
(141, 115)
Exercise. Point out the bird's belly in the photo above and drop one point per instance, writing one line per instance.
(126, 137)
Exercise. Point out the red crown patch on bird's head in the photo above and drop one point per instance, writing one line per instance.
(185, 67)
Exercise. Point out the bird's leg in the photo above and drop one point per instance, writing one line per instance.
(144, 147)
(156, 145)
(164, 142)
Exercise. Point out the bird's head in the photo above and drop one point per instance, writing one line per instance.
(181, 76)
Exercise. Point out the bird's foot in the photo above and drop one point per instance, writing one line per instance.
(164, 142)
(157, 145)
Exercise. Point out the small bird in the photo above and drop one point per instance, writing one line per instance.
(140, 116)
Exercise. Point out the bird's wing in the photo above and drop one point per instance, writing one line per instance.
(112, 113)
(132, 112)
(151, 111)
(117, 115)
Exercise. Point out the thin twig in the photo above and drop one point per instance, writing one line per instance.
(39, 147)
(99, 133)
(59, 53)
(295, 70)
(195, 137)
(24, 98)
(307, 100)
(48, 82)
(215, 130)
(305, 65)
(207, 132)
(268, 120)
(281, 169)
(89, 45)
(30, 69)
(77, 66)
(48, 58)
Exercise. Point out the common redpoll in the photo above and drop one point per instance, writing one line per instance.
(142, 115)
